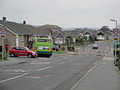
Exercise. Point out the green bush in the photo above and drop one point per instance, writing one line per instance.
(118, 63)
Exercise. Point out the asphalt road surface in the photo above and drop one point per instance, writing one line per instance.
(56, 73)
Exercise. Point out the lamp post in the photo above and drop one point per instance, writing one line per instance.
(114, 21)
(115, 42)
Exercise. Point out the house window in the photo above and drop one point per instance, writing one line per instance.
(22, 38)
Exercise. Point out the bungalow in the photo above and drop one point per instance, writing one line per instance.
(106, 35)
(75, 34)
(87, 35)
(68, 37)
(101, 36)
(22, 34)
(58, 38)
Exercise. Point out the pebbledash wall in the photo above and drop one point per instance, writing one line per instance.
(9, 39)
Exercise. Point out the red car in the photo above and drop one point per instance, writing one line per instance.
(21, 51)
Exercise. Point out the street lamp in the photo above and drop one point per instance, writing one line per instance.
(115, 42)
(114, 21)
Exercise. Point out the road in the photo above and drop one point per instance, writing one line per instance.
(56, 73)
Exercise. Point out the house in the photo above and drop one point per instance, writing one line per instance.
(54, 32)
(75, 34)
(68, 37)
(8, 38)
(21, 34)
(101, 36)
(58, 38)
(87, 35)
(17, 34)
(106, 35)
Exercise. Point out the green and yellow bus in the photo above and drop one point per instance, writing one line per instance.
(43, 46)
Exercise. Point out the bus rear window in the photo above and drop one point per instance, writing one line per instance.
(43, 40)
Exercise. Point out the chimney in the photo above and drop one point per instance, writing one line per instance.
(24, 22)
(4, 18)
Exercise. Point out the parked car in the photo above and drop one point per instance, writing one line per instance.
(16, 51)
(95, 46)
(55, 48)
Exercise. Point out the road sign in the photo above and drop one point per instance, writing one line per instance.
(2, 34)
(116, 31)
(2, 30)
(115, 38)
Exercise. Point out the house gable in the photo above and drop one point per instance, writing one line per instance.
(59, 36)
(100, 33)
(87, 33)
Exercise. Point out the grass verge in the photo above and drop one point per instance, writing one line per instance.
(58, 52)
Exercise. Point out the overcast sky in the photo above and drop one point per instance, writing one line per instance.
(65, 13)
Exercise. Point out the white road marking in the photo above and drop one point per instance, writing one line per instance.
(36, 77)
(13, 78)
(40, 63)
(60, 63)
(44, 68)
(15, 73)
(43, 58)
(15, 70)
(33, 77)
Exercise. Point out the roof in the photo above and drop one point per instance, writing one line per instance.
(24, 29)
(20, 28)
(75, 33)
(93, 32)
(108, 33)
(101, 33)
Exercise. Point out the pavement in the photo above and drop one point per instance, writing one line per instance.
(103, 76)
(12, 61)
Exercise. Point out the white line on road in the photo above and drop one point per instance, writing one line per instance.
(44, 68)
(60, 63)
(15, 70)
(40, 63)
(13, 78)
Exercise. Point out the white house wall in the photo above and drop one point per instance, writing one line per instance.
(100, 37)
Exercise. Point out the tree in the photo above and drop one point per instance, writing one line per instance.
(105, 28)
(79, 41)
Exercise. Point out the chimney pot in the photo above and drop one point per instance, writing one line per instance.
(4, 18)
(24, 22)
